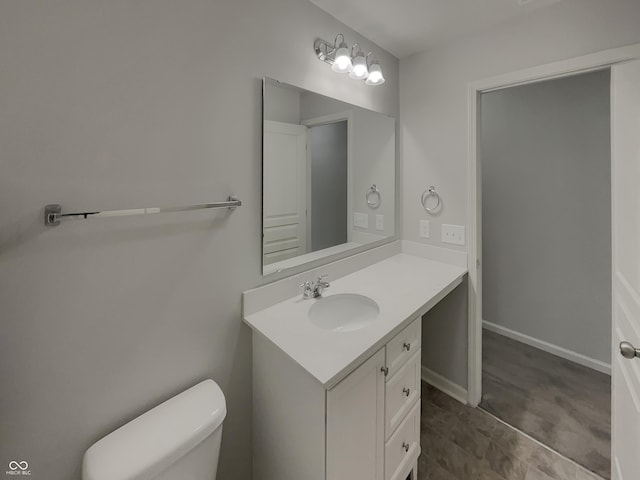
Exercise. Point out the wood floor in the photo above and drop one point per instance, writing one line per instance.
(560, 403)
(463, 443)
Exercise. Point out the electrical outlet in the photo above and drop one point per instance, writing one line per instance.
(360, 220)
(453, 234)
(379, 222)
(425, 229)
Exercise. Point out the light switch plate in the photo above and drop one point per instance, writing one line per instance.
(453, 234)
(360, 220)
(425, 229)
(379, 222)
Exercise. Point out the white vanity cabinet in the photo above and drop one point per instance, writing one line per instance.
(366, 427)
(355, 423)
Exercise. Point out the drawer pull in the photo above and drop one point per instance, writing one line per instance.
(406, 346)
(405, 447)
(385, 370)
(406, 391)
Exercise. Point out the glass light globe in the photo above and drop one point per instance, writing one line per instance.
(359, 71)
(342, 62)
(375, 74)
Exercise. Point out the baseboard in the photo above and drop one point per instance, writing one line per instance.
(549, 347)
(445, 385)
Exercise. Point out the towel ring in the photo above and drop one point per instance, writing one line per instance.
(430, 192)
(373, 196)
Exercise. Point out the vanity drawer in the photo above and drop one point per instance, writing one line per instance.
(401, 347)
(404, 446)
(401, 392)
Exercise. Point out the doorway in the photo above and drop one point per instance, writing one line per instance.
(328, 172)
(625, 99)
(546, 245)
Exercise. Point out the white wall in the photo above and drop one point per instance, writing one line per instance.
(375, 143)
(433, 103)
(281, 104)
(122, 104)
(546, 212)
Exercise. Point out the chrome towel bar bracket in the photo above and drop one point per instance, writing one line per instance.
(53, 213)
(426, 195)
(373, 196)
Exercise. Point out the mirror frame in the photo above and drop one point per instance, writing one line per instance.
(311, 264)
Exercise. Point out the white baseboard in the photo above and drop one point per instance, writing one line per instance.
(444, 385)
(549, 347)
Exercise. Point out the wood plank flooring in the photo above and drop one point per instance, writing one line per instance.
(463, 443)
(560, 403)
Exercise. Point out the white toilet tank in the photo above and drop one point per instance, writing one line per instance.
(178, 439)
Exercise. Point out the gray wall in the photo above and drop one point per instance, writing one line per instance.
(122, 104)
(328, 146)
(444, 338)
(546, 211)
(433, 109)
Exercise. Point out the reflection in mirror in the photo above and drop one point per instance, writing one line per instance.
(328, 176)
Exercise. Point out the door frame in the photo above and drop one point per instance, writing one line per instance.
(564, 68)
(347, 116)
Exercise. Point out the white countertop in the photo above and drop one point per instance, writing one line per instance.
(404, 287)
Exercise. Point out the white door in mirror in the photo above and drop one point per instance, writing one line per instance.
(285, 191)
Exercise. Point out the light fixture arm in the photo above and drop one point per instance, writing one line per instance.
(335, 42)
(325, 51)
(322, 50)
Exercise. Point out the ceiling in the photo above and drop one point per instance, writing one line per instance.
(404, 27)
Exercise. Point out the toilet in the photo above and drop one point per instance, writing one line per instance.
(178, 439)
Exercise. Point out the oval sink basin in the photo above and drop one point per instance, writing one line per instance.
(343, 312)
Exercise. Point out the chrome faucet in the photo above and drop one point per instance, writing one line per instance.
(314, 289)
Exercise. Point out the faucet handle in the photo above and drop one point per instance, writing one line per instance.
(308, 288)
(320, 285)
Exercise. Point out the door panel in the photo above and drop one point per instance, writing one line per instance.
(625, 122)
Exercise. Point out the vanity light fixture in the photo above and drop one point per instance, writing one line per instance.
(344, 61)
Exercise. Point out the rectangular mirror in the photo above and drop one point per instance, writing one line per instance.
(329, 176)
